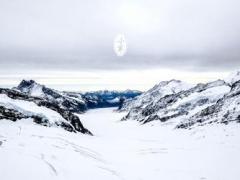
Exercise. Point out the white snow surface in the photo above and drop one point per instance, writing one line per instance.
(37, 91)
(119, 150)
(30, 108)
(233, 77)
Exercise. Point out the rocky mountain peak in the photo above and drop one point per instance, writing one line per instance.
(26, 83)
(30, 87)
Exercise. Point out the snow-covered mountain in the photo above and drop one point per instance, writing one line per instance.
(186, 107)
(154, 94)
(73, 104)
(15, 105)
(76, 101)
(225, 110)
(49, 107)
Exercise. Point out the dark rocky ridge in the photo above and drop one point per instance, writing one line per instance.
(201, 98)
(75, 123)
(225, 110)
(67, 103)
(75, 101)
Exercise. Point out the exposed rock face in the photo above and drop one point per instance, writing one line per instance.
(225, 110)
(32, 88)
(11, 114)
(155, 94)
(72, 123)
(178, 105)
(14, 115)
(68, 115)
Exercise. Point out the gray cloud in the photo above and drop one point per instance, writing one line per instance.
(78, 35)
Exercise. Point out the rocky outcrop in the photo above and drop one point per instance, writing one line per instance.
(14, 115)
(154, 94)
(178, 105)
(32, 88)
(68, 115)
(225, 110)
(74, 124)
(11, 114)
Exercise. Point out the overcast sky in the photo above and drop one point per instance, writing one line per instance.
(63, 42)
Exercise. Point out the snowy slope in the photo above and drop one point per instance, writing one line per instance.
(30, 108)
(225, 110)
(118, 151)
(233, 77)
(16, 106)
(178, 105)
(73, 104)
(154, 94)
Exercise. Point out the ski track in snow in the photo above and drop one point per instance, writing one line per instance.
(118, 151)
(49, 164)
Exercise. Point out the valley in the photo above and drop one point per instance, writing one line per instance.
(123, 150)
